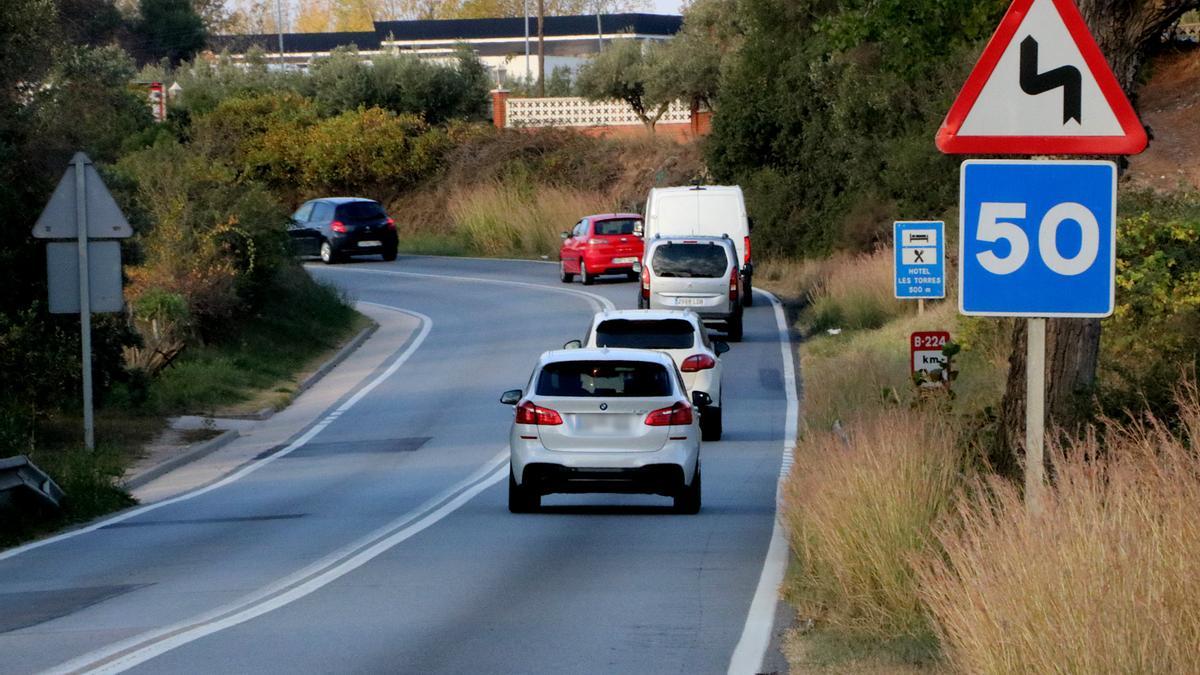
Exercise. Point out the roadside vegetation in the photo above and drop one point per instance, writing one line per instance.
(912, 544)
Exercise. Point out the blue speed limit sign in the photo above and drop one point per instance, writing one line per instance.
(1037, 238)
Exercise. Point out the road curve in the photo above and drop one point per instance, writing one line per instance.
(378, 538)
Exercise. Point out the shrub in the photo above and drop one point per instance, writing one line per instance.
(503, 219)
(854, 292)
(1103, 580)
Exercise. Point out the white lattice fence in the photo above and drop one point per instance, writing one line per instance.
(580, 112)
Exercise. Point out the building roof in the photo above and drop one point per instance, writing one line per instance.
(450, 31)
(554, 26)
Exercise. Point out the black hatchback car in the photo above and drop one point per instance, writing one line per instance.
(336, 228)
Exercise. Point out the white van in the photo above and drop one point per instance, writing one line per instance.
(703, 210)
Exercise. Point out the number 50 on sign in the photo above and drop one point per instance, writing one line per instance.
(1037, 238)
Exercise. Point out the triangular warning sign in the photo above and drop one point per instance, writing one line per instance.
(104, 217)
(1042, 87)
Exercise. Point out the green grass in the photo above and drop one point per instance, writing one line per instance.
(433, 244)
(301, 321)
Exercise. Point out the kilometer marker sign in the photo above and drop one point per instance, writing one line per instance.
(925, 348)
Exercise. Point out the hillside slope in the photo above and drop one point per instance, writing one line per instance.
(1170, 106)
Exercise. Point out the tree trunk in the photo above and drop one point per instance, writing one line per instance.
(1124, 29)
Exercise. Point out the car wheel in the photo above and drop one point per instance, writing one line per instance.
(748, 299)
(586, 278)
(327, 255)
(391, 254)
(521, 499)
(733, 329)
(632, 276)
(688, 499)
(563, 275)
(641, 302)
(710, 423)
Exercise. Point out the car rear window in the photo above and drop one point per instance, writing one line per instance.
(705, 261)
(610, 379)
(606, 228)
(644, 334)
(361, 211)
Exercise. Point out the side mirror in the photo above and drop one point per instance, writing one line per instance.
(573, 344)
(511, 397)
(639, 229)
(701, 399)
(720, 347)
(637, 267)
(565, 235)
(749, 224)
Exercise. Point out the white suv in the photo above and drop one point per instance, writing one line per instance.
(604, 420)
(678, 333)
(696, 273)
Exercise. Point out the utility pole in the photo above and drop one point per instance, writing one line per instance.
(541, 88)
(528, 74)
(279, 28)
(599, 27)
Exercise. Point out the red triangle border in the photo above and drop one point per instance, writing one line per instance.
(1132, 142)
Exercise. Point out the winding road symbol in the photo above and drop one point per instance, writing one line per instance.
(1067, 77)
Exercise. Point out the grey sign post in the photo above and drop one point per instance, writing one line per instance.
(85, 275)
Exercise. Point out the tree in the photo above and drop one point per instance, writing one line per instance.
(1124, 30)
(621, 72)
(169, 29)
(689, 65)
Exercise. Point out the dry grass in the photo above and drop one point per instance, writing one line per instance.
(845, 291)
(500, 219)
(861, 507)
(1105, 580)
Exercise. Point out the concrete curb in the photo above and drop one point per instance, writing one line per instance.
(162, 468)
(333, 362)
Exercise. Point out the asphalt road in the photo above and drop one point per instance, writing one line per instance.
(378, 539)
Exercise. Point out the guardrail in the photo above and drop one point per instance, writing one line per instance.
(21, 481)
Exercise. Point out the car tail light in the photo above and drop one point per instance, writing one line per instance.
(595, 242)
(698, 362)
(528, 413)
(747, 260)
(733, 284)
(678, 415)
(337, 226)
(391, 223)
(645, 282)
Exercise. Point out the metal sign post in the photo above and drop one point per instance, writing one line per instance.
(82, 209)
(1035, 414)
(85, 294)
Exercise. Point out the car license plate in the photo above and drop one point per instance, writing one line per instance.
(624, 261)
(689, 302)
(372, 242)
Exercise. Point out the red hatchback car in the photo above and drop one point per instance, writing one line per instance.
(603, 244)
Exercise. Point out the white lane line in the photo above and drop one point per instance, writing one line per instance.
(752, 646)
(596, 299)
(426, 326)
(122, 656)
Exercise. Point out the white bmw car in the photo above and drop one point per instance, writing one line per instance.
(680, 334)
(604, 420)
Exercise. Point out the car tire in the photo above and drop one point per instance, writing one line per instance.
(328, 255)
(733, 330)
(563, 275)
(641, 301)
(586, 278)
(688, 500)
(748, 299)
(391, 254)
(632, 276)
(521, 499)
(710, 423)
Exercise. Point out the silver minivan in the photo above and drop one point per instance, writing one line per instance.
(696, 273)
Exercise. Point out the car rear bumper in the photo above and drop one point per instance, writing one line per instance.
(349, 244)
(605, 263)
(659, 472)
